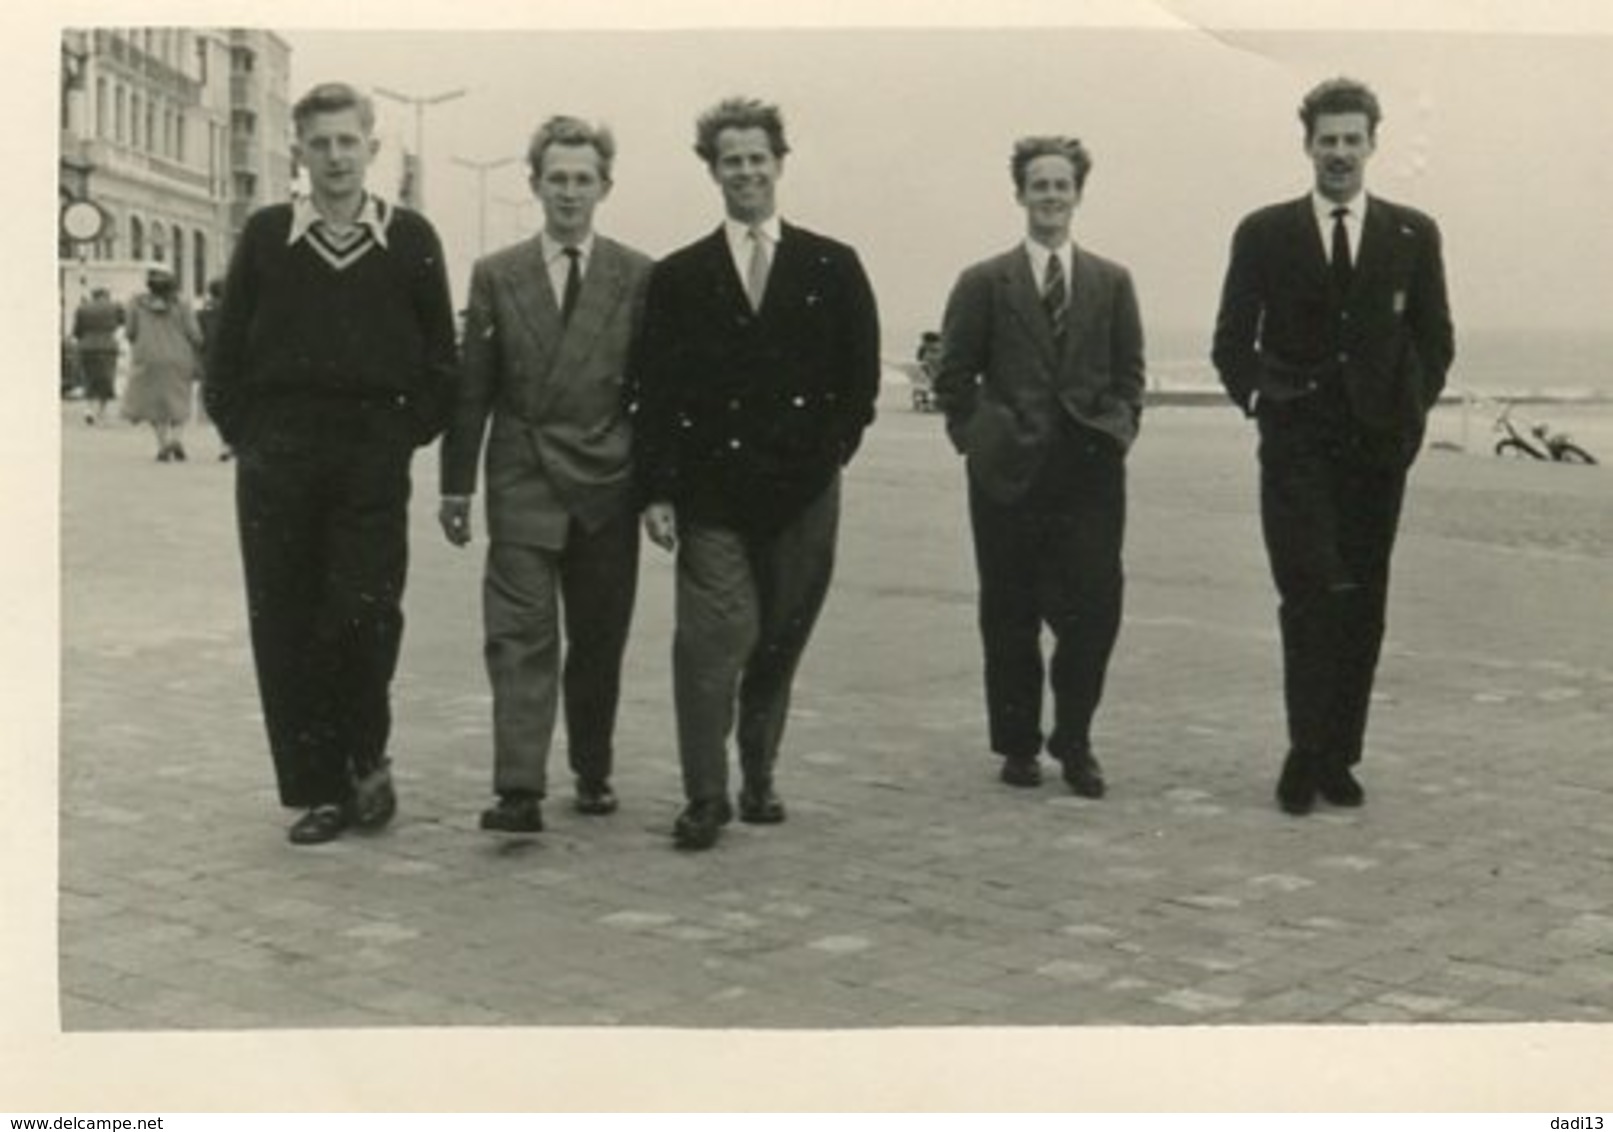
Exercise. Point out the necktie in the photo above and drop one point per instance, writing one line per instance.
(1341, 265)
(568, 301)
(756, 276)
(1054, 297)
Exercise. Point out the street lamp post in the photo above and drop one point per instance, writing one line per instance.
(482, 168)
(420, 102)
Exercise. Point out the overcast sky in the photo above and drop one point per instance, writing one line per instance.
(901, 137)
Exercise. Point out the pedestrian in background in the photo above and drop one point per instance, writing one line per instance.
(165, 362)
(333, 359)
(1041, 380)
(95, 337)
(548, 330)
(757, 374)
(1334, 334)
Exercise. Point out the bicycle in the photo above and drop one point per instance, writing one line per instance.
(1539, 444)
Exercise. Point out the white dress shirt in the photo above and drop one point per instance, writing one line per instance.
(555, 262)
(1040, 254)
(1352, 222)
(739, 242)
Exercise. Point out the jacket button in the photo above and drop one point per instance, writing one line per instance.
(733, 442)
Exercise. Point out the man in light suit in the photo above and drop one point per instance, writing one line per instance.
(1041, 380)
(547, 336)
(757, 374)
(1334, 332)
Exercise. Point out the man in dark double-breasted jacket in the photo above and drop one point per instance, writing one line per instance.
(1334, 332)
(755, 376)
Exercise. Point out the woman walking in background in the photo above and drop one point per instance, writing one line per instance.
(95, 332)
(164, 348)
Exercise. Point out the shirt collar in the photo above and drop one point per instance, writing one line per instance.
(1324, 208)
(553, 249)
(374, 214)
(1040, 253)
(739, 232)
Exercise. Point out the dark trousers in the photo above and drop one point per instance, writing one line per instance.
(322, 497)
(1053, 558)
(1330, 498)
(591, 582)
(746, 606)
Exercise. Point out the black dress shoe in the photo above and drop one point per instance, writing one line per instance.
(595, 798)
(1339, 787)
(1296, 786)
(760, 806)
(179, 451)
(319, 825)
(1021, 772)
(700, 823)
(375, 800)
(514, 813)
(1083, 775)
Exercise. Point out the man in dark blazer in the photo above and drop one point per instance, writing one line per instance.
(1041, 380)
(1334, 332)
(756, 375)
(547, 335)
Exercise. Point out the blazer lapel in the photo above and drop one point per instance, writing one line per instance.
(1377, 245)
(723, 286)
(1307, 243)
(1025, 301)
(601, 292)
(1083, 301)
(534, 297)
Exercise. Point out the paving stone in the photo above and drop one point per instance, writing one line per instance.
(909, 888)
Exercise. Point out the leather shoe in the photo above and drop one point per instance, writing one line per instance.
(514, 813)
(319, 825)
(1296, 786)
(1339, 787)
(1025, 772)
(375, 800)
(700, 822)
(1083, 775)
(595, 797)
(760, 806)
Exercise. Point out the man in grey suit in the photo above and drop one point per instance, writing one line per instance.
(547, 335)
(1041, 380)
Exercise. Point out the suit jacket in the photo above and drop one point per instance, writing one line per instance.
(1284, 329)
(560, 441)
(1004, 385)
(743, 417)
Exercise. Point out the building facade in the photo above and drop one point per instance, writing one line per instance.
(176, 135)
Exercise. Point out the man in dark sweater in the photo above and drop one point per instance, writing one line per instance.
(756, 375)
(333, 358)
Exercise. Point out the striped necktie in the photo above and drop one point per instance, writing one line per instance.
(1055, 298)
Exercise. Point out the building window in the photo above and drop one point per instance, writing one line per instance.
(177, 259)
(137, 239)
(121, 120)
(100, 108)
(179, 138)
(151, 125)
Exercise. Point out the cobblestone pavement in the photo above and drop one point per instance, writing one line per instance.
(908, 887)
